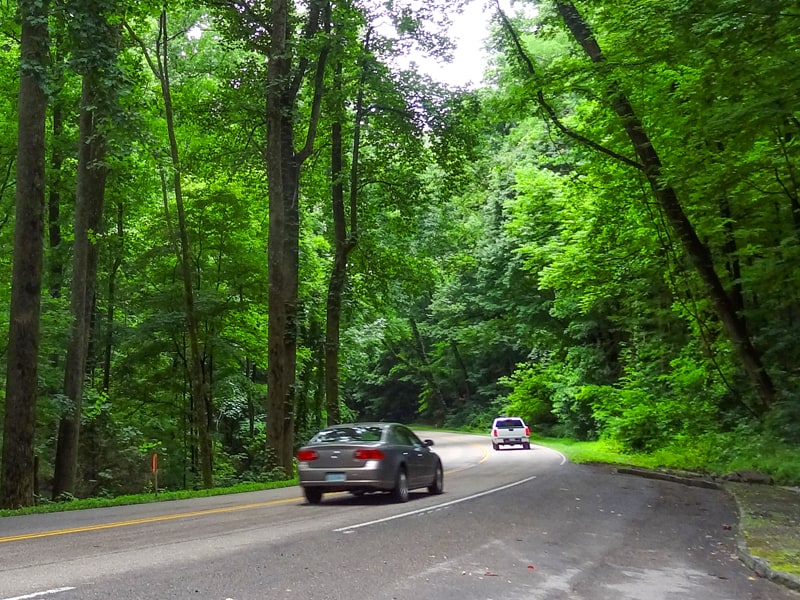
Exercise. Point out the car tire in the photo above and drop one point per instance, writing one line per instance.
(526, 446)
(495, 446)
(400, 490)
(437, 485)
(313, 495)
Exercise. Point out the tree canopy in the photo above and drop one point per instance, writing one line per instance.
(290, 229)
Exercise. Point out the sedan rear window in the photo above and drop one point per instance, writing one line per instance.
(509, 423)
(348, 434)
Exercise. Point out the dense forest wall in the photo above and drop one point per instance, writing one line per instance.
(603, 238)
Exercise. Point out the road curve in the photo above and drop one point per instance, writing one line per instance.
(511, 524)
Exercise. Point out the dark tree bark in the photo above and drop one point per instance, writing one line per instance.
(108, 344)
(89, 198)
(18, 471)
(440, 409)
(198, 374)
(284, 77)
(54, 205)
(467, 393)
(344, 242)
(667, 197)
(731, 251)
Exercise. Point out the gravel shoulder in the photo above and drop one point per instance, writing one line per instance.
(769, 530)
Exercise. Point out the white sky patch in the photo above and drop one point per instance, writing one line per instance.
(469, 32)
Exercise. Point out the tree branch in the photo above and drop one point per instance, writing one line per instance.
(546, 106)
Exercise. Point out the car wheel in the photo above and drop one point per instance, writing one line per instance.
(437, 485)
(400, 491)
(526, 446)
(495, 446)
(313, 495)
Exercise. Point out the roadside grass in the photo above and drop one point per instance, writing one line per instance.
(712, 455)
(48, 506)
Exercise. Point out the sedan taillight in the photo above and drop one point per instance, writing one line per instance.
(368, 454)
(307, 455)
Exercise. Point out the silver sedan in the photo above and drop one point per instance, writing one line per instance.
(368, 457)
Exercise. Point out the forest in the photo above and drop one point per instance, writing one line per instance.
(227, 224)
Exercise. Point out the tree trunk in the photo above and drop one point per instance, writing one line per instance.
(439, 411)
(464, 372)
(199, 384)
(200, 388)
(344, 243)
(731, 252)
(108, 344)
(670, 204)
(91, 182)
(283, 179)
(56, 266)
(18, 470)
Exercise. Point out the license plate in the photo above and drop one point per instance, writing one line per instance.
(335, 477)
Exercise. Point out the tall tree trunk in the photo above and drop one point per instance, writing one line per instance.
(440, 409)
(731, 252)
(344, 243)
(108, 344)
(464, 372)
(199, 385)
(282, 176)
(200, 388)
(54, 204)
(670, 204)
(91, 183)
(283, 179)
(18, 470)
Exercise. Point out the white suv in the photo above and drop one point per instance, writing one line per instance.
(508, 431)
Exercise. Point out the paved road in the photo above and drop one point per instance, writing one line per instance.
(512, 524)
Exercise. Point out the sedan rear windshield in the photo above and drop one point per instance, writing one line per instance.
(348, 434)
(509, 423)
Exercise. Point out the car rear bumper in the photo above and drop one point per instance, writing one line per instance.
(369, 477)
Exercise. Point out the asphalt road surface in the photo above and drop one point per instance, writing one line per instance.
(513, 524)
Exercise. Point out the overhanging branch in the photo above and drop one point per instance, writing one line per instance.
(522, 54)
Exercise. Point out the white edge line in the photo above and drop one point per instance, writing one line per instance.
(435, 507)
(40, 594)
(563, 457)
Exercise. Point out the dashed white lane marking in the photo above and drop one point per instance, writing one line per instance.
(436, 507)
(40, 594)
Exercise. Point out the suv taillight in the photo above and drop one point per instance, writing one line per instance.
(527, 431)
(494, 433)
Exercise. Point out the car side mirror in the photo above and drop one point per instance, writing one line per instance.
(428, 442)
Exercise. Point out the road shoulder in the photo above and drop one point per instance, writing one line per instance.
(768, 536)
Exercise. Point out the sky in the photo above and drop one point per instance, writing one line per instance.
(469, 32)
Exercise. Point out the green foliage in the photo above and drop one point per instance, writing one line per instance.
(530, 396)
(501, 266)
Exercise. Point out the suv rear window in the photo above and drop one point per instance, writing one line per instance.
(509, 423)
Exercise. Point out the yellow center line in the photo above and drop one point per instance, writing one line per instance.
(172, 517)
(484, 456)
